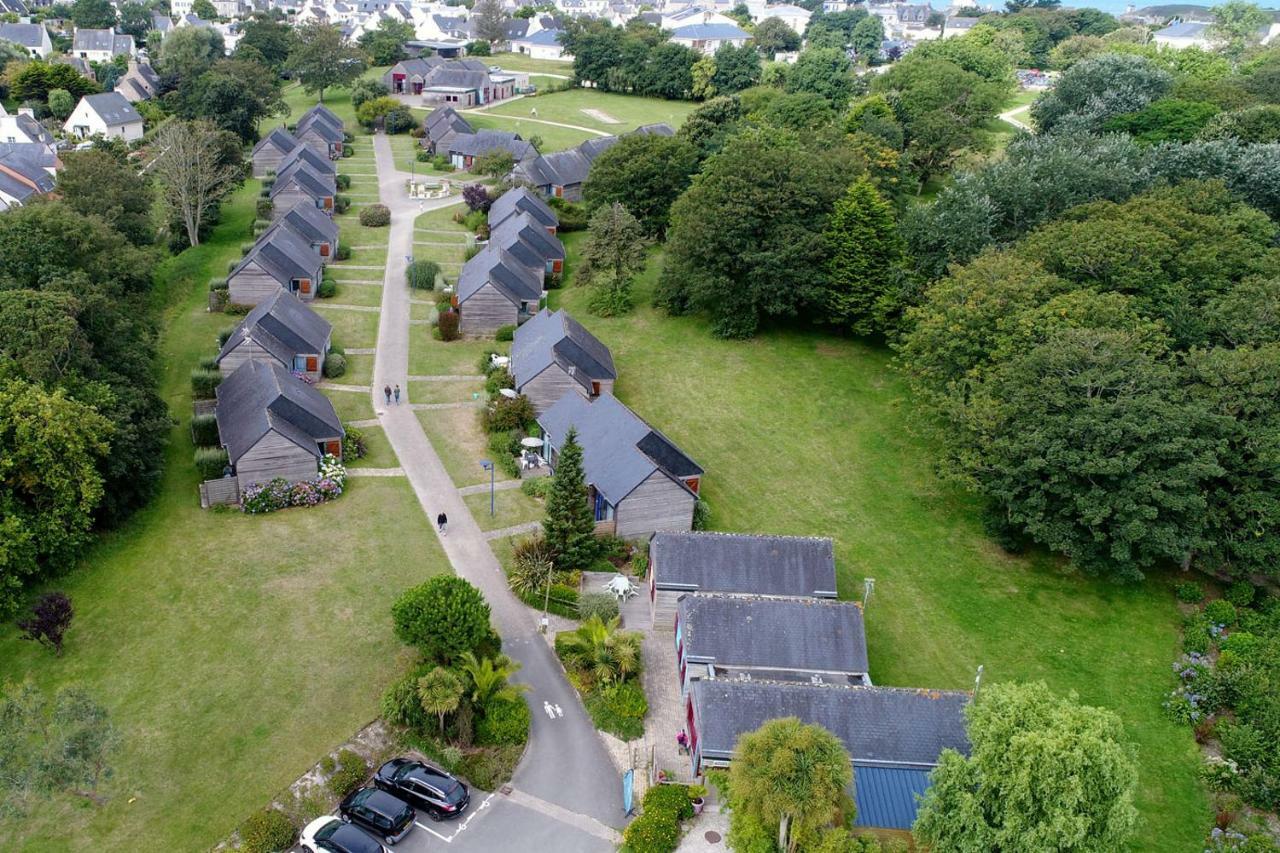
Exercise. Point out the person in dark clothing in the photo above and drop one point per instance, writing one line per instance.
(386, 390)
(397, 393)
(442, 522)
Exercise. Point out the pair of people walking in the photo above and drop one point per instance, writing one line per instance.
(387, 392)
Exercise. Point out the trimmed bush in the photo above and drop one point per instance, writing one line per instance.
(424, 157)
(354, 445)
(503, 722)
(204, 383)
(327, 289)
(652, 833)
(210, 462)
(342, 253)
(204, 431)
(670, 800)
(538, 487)
(1189, 593)
(265, 208)
(225, 335)
(1241, 593)
(401, 704)
(600, 604)
(505, 333)
(343, 182)
(421, 274)
(341, 203)
(447, 323)
(418, 132)
(209, 362)
(349, 773)
(1221, 612)
(701, 515)
(335, 365)
(375, 216)
(508, 413)
(267, 831)
(618, 709)
(348, 150)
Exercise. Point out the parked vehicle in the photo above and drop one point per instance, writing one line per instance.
(378, 813)
(425, 787)
(331, 835)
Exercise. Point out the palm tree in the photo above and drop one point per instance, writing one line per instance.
(489, 679)
(601, 651)
(440, 691)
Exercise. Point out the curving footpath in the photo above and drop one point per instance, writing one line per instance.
(567, 793)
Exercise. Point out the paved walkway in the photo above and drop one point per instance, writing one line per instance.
(500, 486)
(375, 472)
(516, 530)
(1011, 117)
(565, 763)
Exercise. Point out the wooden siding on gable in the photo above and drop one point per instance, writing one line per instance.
(659, 503)
(275, 456)
(266, 161)
(251, 284)
(486, 311)
(549, 386)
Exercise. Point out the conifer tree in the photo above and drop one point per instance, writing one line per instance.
(864, 254)
(569, 527)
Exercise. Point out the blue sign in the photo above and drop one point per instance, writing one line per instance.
(628, 783)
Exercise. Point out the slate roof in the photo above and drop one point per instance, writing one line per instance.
(279, 139)
(441, 120)
(311, 223)
(421, 66)
(261, 396)
(543, 38)
(141, 81)
(528, 241)
(514, 280)
(90, 39)
(30, 160)
(113, 107)
(32, 129)
(17, 7)
(319, 125)
(27, 35)
(880, 726)
(284, 255)
(546, 339)
(521, 200)
(454, 75)
(744, 563)
(283, 326)
(323, 112)
(619, 450)
(319, 164)
(484, 141)
(722, 32)
(307, 179)
(1183, 29)
(660, 128)
(773, 633)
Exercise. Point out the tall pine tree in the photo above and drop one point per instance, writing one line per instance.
(569, 527)
(864, 257)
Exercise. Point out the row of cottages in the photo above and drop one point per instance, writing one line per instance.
(304, 179)
(520, 200)
(321, 130)
(108, 114)
(440, 127)
(561, 174)
(553, 355)
(272, 424)
(758, 636)
(638, 481)
(280, 330)
(287, 256)
(448, 134)
(455, 82)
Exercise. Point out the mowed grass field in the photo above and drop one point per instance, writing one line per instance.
(521, 62)
(807, 434)
(231, 651)
(604, 111)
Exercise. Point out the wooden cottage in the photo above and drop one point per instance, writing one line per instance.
(561, 174)
(529, 243)
(523, 200)
(315, 226)
(440, 127)
(790, 639)
(320, 133)
(894, 735)
(283, 331)
(280, 259)
(320, 165)
(301, 184)
(496, 290)
(274, 424)
(464, 148)
(553, 354)
(270, 150)
(638, 481)
(736, 563)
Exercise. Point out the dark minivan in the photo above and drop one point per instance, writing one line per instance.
(420, 785)
(378, 813)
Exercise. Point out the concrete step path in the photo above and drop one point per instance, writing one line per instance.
(367, 309)
(361, 350)
(500, 486)
(334, 386)
(515, 530)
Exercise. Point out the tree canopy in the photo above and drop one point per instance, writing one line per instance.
(645, 173)
(323, 58)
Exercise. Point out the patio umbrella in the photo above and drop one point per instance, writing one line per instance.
(508, 392)
(531, 442)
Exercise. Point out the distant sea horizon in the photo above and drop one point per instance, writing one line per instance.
(1117, 7)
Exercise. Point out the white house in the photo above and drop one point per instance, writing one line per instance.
(708, 38)
(689, 15)
(101, 45)
(1182, 34)
(109, 114)
(33, 38)
(544, 44)
(795, 17)
(23, 128)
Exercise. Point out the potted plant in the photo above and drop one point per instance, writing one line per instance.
(697, 796)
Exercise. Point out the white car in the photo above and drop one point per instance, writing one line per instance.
(332, 835)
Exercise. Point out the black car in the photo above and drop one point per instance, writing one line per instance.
(379, 813)
(334, 836)
(420, 785)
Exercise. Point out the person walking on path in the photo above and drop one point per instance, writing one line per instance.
(397, 395)
(386, 390)
(682, 742)
(442, 522)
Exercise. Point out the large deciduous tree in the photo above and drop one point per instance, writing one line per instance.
(825, 71)
(93, 14)
(645, 174)
(1097, 89)
(103, 182)
(772, 35)
(1237, 26)
(788, 779)
(864, 263)
(273, 39)
(1045, 772)
(235, 94)
(385, 45)
(193, 176)
(323, 58)
(188, 52)
(569, 526)
(444, 617)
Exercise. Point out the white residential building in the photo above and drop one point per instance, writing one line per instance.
(109, 114)
(101, 45)
(33, 38)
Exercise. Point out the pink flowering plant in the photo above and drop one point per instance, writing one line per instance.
(281, 494)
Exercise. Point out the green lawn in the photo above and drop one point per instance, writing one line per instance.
(359, 294)
(627, 111)
(553, 138)
(359, 368)
(520, 62)
(352, 233)
(363, 258)
(350, 405)
(809, 434)
(461, 444)
(350, 328)
(441, 220)
(511, 507)
(230, 650)
(446, 392)
(429, 357)
(379, 453)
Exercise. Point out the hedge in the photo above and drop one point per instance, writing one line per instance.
(209, 362)
(210, 462)
(225, 334)
(205, 382)
(204, 431)
(219, 284)
(342, 253)
(503, 722)
(343, 182)
(335, 365)
(350, 772)
(265, 208)
(375, 216)
(341, 203)
(600, 604)
(448, 326)
(505, 333)
(267, 831)
(327, 289)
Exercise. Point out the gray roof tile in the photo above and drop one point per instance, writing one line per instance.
(744, 563)
(284, 327)
(521, 200)
(548, 338)
(261, 396)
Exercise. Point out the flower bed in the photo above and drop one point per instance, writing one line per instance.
(281, 494)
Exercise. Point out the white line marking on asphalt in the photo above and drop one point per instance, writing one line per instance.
(448, 839)
(546, 706)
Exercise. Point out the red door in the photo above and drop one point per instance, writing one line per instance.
(313, 363)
